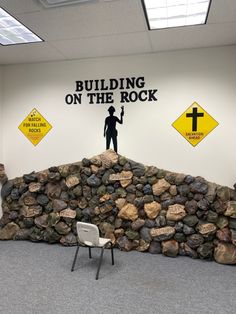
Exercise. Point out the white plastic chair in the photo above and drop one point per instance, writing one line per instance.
(88, 235)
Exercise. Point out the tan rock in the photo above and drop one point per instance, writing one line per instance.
(231, 209)
(125, 183)
(162, 234)
(225, 253)
(68, 213)
(29, 200)
(206, 229)
(105, 198)
(72, 181)
(175, 212)
(41, 221)
(152, 209)
(8, 232)
(120, 202)
(109, 158)
(170, 248)
(128, 212)
(173, 190)
(143, 246)
(106, 208)
(233, 236)
(32, 211)
(94, 169)
(160, 187)
(111, 236)
(123, 175)
(34, 187)
(119, 232)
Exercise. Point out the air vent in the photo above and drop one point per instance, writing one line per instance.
(57, 3)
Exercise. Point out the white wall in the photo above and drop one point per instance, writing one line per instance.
(207, 76)
(1, 129)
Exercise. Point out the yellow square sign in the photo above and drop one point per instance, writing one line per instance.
(35, 127)
(194, 124)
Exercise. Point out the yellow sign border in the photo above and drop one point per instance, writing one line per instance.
(35, 144)
(217, 123)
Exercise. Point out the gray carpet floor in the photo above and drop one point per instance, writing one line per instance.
(36, 278)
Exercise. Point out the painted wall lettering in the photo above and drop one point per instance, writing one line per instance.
(100, 91)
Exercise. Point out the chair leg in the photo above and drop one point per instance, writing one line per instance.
(76, 253)
(90, 255)
(100, 263)
(112, 255)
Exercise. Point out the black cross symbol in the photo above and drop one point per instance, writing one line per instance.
(194, 115)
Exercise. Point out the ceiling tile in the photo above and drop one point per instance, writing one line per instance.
(86, 20)
(20, 6)
(193, 37)
(105, 45)
(222, 11)
(27, 53)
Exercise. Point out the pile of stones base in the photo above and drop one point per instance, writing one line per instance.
(138, 207)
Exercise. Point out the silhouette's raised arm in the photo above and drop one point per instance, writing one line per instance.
(121, 115)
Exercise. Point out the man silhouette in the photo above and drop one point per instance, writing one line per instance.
(110, 131)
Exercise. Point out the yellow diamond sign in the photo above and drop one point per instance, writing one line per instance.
(35, 127)
(195, 124)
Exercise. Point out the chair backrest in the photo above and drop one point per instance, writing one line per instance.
(88, 234)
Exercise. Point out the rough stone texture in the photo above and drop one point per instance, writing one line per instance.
(9, 231)
(129, 212)
(162, 234)
(176, 212)
(225, 253)
(206, 229)
(160, 187)
(170, 248)
(152, 209)
(231, 209)
(138, 207)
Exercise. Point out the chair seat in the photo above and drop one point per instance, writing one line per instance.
(103, 241)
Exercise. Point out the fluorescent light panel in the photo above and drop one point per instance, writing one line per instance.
(175, 13)
(13, 32)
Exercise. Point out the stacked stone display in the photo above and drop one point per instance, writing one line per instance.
(138, 207)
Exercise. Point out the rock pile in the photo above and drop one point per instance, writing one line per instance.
(136, 206)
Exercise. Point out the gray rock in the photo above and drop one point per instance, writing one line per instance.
(160, 221)
(31, 177)
(223, 193)
(15, 195)
(6, 189)
(205, 250)
(93, 181)
(183, 190)
(42, 199)
(147, 189)
(22, 234)
(190, 220)
(180, 237)
(199, 187)
(125, 244)
(189, 179)
(155, 247)
(195, 240)
(212, 216)
(188, 230)
(68, 240)
(145, 234)
(137, 169)
(232, 223)
(58, 205)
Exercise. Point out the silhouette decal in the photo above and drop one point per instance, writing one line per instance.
(110, 131)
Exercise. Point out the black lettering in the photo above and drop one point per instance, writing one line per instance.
(151, 96)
